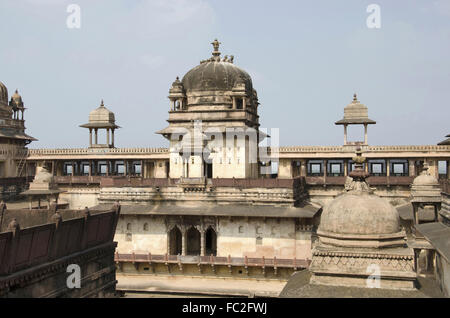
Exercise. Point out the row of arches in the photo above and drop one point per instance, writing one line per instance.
(194, 243)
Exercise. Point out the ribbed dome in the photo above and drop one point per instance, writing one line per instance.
(3, 93)
(216, 76)
(359, 213)
(101, 115)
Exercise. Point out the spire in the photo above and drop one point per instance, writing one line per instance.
(216, 53)
(358, 175)
(102, 104)
(355, 99)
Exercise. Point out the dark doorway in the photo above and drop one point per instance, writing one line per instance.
(193, 242)
(175, 241)
(211, 242)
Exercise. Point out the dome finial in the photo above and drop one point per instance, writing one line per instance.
(216, 52)
(355, 98)
(102, 104)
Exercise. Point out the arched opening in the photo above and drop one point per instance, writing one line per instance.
(175, 241)
(211, 242)
(193, 242)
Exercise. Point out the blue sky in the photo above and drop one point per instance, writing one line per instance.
(306, 59)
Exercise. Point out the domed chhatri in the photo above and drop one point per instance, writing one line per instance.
(101, 118)
(215, 82)
(358, 217)
(360, 232)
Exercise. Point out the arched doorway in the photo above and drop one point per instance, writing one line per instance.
(211, 242)
(175, 241)
(193, 242)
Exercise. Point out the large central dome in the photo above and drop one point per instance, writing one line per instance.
(216, 76)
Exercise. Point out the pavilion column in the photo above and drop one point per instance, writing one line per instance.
(90, 168)
(112, 137)
(388, 167)
(107, 136)
(202, 242)
(303, 168)
(415, 213)
(108, 164)
(96, 136)
(73, 169)
(365, 134)
(345, 167)
(448, 169)
(183, 242)
(325, 163)
(234, 102)
(244, 102)
(411, 169)
(90, 137)
(345, 134)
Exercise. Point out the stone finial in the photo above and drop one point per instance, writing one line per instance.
(13, 226)
(358, 174)
(216, 53)
(2, 206)
(56, 218)
(86, 212)
(102, 104)
(355, 98)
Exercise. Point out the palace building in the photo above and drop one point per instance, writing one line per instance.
(209, 208)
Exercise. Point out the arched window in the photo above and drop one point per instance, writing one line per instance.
(211, 242)
(175, 241)
(193, 242)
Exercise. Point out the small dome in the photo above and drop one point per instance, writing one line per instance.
(3, 93)
(359, 218)
(425, 178)
(43, 176)
(101, 115)
(359, 213)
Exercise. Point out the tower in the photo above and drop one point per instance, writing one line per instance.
(213, 121)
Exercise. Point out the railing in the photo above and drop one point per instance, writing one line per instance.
(291, 149)
(83, 151)
(372, 180)
(77, 179)
(213, 260)
(28, 247)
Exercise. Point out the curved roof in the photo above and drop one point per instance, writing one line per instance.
(216, 76)
(101, 117)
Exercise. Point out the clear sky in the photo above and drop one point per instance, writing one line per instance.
(306, 59)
